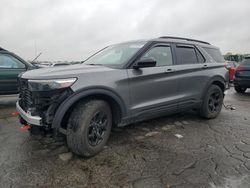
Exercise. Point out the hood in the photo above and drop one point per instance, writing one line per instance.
(68, 71)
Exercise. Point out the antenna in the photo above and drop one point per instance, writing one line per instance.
(36, 57)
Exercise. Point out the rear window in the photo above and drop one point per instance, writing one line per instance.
(186, 55)
(215, 54)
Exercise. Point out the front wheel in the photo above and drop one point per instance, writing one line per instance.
(89, 127)
(212, 102)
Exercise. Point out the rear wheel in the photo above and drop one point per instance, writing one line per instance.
(89, 127)
(239, 89)
(212, 102)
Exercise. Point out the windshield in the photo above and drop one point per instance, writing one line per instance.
(115, 55)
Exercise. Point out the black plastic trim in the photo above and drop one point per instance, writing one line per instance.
(65, 105)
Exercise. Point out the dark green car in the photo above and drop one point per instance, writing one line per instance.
(10, 67)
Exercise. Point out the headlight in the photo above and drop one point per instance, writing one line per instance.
(46, 85)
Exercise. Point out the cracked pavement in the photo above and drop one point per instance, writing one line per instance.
(212, 153)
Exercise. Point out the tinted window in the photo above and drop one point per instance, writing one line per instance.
(162, 55)
(215, 54)
(7, 61)
(186, 55)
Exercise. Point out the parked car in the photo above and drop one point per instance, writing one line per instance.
(231, 67)
(11, 66)
(123, 84)
(242, 76)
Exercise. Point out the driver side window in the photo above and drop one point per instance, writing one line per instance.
(10, 62)
(161, 54)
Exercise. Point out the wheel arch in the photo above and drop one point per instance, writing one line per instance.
(114, 100)
(217, 80)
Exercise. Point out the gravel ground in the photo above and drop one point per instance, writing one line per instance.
(177, 151)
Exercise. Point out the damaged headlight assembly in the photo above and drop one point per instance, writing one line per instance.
(47, 85)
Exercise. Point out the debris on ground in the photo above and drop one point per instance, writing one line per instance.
(167, 127)
(185, 122)
(65, 156)
(25, 128)
(152, 133)
(178, 135)
(229, 107)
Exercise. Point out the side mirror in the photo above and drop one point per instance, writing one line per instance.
(144, 63)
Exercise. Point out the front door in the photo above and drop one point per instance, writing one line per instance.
(153, 89)
(10, 68)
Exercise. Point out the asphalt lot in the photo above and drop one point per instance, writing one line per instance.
(211, 153)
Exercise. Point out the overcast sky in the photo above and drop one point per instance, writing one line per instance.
(72, 30)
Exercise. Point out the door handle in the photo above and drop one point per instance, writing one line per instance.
(205, 66)
(170, 70)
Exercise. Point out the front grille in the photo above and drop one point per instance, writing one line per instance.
(25, 95)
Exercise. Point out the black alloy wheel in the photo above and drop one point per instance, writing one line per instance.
(97, 128)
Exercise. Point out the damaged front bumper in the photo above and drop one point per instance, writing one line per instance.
(39, 107)
(32, 120)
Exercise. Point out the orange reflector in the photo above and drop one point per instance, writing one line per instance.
(25, 127)
(14, 113)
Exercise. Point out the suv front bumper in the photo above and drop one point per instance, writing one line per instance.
(32, 120)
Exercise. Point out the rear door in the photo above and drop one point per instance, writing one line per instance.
(153, 89)
(191, 68)
(10, 68)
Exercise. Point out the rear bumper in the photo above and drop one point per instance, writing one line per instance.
(242, 82)
(32, 120)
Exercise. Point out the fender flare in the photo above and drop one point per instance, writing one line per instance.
(214, 79)
(71, 100)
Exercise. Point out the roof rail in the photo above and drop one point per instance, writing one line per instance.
(180, 38)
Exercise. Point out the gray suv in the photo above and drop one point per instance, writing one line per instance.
(122, 84)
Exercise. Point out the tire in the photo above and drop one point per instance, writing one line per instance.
(239, 89)
(89, 127)
(212, 102)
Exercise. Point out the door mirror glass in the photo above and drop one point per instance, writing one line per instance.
(149, 62)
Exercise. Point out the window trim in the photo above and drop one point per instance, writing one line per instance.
(198, 51)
